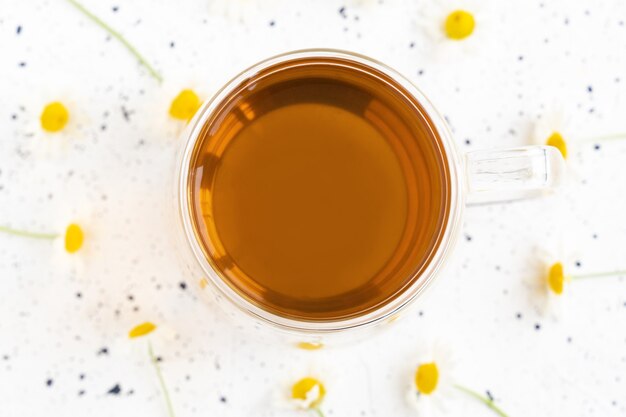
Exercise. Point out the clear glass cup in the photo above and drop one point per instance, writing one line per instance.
(475, 177)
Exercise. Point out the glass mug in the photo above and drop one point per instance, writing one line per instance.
(473, 178)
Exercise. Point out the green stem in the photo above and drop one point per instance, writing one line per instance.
(170, 409)
(119, 37)
(616, 136)
(599, 274)
(489, 403)
(318, 411)
(25, 233)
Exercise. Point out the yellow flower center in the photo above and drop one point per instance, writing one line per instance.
(74, 238)
(556, 278)
(426, 378)
(556, 140)
(310, 345)
(300, 389)
(54, 117)
(185, 105)
(141, 330)
(459, 25)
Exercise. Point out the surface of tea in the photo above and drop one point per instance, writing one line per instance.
(319, 191)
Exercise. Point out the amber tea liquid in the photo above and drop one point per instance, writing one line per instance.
(319, 189)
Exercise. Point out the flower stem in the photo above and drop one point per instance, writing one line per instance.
(25, 233)
(616, 136)
(170, 409)
(599, 274)
(488, 402)
(318, 412)
(119, 37)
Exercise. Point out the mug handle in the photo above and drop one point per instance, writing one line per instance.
(500, 175)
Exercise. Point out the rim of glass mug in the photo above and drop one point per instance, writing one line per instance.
(459, 188)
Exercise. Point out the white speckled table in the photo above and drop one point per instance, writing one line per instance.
(63, 326)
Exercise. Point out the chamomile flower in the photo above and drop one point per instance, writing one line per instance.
(54, 117)
(77, 228)
(69, 239)
(453, 26)
(310, 345)
(432, 384)
(432, 381)
(548, 282)
(553, 285)
(304, 392)
(54, 123)
(185, 105)
(555, 128)
(143, 330)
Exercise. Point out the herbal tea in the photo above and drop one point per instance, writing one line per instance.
(319, 189)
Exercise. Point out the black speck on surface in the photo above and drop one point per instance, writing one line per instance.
(18, 29)
(412, 45)
(420, 72)
(49, 382)
(115, 9)
(115, 390)
(159, 359)
(103, 351)
(420, 313)
(172, 44)
(468, 238)
(130, 297)
(342, 12)
(520, 58)
(81, 392)
(569, 340)
(537, 326)
(79, 295)
(590, 89)
(22, 64)
(594, 236)
(117, 312)
(578, 264)
(489, 395)
(596, 147)
(14, 116)
(103, 127)
(126, 113)
(223, 400)
(5, 357)
(81, 376)
(136, 308)
(566, 21)
(518, 316)
(182, 285)
(468, 142)
(591, 110)
(272, 23)
(131, 391)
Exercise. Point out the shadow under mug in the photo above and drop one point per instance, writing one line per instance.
(475, 177)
